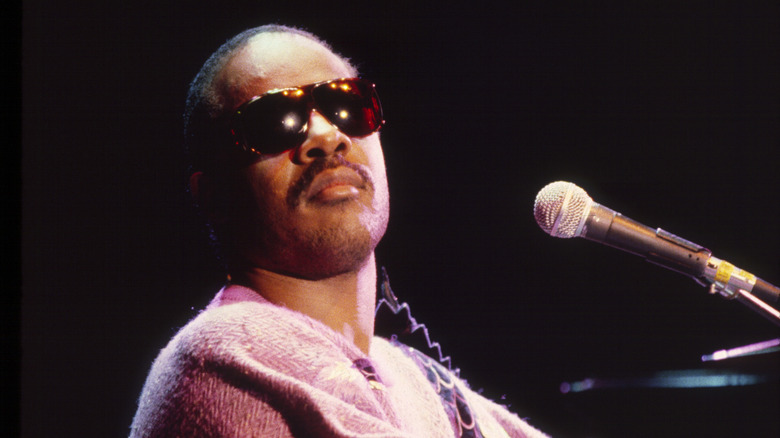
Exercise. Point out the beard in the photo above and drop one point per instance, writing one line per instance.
(326, 253)
(314, 253)
(340, 240)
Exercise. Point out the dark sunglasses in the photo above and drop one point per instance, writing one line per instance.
(277, 121)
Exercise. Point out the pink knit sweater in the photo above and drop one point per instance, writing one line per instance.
(247, 368)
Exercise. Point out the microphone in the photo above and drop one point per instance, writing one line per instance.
(565, 210)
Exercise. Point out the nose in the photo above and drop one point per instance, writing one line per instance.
(323, 139)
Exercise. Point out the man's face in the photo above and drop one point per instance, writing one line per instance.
(314, 211)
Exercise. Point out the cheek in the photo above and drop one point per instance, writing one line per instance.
(269, 180)
(376, 161)
(369, 152)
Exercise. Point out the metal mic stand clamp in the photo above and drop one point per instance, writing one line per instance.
(746, 298)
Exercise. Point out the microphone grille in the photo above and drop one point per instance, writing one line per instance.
(560, 208)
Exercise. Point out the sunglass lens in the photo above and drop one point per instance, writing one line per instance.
(274, 123)
(352, 105)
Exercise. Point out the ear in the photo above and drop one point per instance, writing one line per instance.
(202, 191)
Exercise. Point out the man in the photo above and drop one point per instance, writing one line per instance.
(294, 185)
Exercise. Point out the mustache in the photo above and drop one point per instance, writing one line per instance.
(318, 166)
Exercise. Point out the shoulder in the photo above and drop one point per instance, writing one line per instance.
(204, 369)
(237, 363)
(252, 333)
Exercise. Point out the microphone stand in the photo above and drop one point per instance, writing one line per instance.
(748, 299)
(769, 346)
(757, 305)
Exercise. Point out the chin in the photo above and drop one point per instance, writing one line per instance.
(332, 261)
(330, 247)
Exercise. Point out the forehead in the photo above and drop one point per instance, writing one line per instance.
(276, 60)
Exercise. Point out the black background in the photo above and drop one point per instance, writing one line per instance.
(668, 114)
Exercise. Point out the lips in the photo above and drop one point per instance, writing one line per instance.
(335, 184)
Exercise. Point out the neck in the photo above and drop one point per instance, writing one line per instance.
(344, 302)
